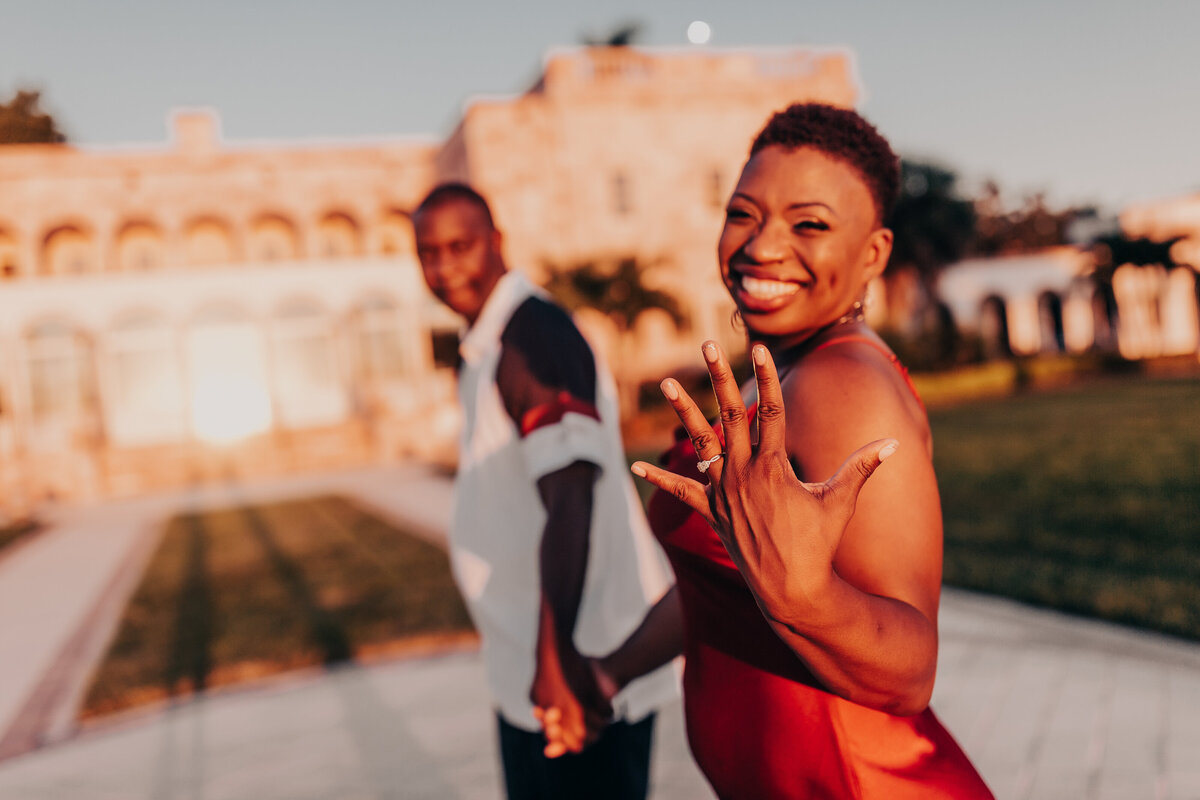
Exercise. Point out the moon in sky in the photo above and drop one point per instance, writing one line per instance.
(699, 32)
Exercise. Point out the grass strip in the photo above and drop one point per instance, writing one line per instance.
(1085, 499)
(241, 593)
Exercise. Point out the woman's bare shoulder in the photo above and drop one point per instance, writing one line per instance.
(846, 375)
(844, 396)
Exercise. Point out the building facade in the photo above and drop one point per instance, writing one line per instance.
(623, 154)
(195, 310)
(1051, 302)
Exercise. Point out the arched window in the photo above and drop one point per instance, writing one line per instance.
(993, 328)
(1138, 290)
(1178, 313)
(9, 254)
(396, 234)
(380, 339)
(58, 357)
(1050, 323)
(1104, 319)
(338, 237)
(273, 238)
(68, 251)
(143, 381)
(227, 375)
(307, 382)
(206, 242)
(140, 248)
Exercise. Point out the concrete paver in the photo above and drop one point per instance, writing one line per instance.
(61, 594)
(1046, 705)
(420, 729)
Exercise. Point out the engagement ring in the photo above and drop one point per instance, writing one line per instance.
(708, 462)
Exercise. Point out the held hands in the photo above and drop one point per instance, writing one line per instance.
(567, 699)
(781, 532)
(557, 709)
(561, 724)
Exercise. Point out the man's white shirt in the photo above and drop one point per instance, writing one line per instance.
(498, 520)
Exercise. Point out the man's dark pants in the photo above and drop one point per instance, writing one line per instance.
(616, 767)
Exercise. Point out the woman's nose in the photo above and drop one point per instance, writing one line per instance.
(767, 244)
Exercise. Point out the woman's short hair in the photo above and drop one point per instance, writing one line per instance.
(843, 135)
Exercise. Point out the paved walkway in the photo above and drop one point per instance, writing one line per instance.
(1048, 706)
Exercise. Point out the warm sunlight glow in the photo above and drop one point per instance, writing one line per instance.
(229, 397)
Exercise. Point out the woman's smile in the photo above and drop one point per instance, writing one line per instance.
(763, 294)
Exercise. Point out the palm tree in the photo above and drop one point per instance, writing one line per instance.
(614, 289)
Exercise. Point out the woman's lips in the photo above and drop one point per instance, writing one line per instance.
(764, 294)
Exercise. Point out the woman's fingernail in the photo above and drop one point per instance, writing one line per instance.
(888, 449)
(710, 352)
(669, 389)
(639, 470)
(759, 353)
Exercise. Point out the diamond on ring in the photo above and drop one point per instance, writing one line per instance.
(708, 462)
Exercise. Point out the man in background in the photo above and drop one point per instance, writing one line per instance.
(548, 542)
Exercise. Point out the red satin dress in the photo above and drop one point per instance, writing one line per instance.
(759, 725)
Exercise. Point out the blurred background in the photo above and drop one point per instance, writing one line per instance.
(207, 277)
(236, 291)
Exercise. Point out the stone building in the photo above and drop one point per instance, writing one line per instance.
(189, 311)
(1050, 302)
(621, 153)
(1030, 303)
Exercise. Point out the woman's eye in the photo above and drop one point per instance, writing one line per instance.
(810, 225)
(736, 213)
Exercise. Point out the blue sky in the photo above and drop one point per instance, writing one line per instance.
(1086, 101)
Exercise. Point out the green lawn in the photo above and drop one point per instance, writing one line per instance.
(244, 592)
(1085, 499)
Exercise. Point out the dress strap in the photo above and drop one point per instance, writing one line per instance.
(888, 354)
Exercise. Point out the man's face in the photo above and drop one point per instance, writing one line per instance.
(460, 255)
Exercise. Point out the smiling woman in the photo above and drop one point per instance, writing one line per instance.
(806, 608)
(800, 244)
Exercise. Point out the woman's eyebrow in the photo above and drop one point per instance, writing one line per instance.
(802, 204)
(810, 203)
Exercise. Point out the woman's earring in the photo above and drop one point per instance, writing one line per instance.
(855, 314)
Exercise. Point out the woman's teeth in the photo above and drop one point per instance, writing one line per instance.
(763, 289)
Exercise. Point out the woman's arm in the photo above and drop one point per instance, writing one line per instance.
(655, 642)
(853, 593)
(866, 623)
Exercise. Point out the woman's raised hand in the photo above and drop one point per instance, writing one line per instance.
(781, 532)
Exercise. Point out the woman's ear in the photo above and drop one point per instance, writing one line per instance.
(876, 253)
